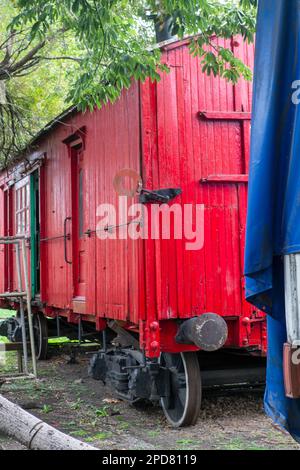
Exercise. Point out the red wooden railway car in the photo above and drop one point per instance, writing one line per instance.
(157, 301)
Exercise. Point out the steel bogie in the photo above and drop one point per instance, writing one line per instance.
(174, 380)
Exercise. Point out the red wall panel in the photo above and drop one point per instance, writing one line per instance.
(181, 149)
(156, 130)
(2, 248)
(118, 134)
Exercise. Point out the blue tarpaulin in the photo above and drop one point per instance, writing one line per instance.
(273, 221)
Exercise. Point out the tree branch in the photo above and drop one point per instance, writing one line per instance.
(8, 50)
(30, 59)
(27, 57)
(76, 59)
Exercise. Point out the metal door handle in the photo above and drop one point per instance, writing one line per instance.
(66, 237)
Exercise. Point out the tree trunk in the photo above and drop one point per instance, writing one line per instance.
(3, 100)
(34, 433)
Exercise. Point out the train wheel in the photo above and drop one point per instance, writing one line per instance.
(40, 328)
(182, 406)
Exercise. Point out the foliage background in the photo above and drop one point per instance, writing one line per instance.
(57, 53)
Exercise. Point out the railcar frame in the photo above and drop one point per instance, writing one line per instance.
(154, 303)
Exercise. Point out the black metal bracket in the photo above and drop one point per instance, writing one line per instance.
(159, 196)
(89, 232)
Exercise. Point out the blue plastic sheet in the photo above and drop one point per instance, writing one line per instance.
(273, 221)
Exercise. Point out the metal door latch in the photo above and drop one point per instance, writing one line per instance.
(159, 196)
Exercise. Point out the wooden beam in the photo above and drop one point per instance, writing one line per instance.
(225, 179)
(225, 115)
(11, 347)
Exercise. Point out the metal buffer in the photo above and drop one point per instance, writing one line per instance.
(23, 295)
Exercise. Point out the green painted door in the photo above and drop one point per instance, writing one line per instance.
(35, 232)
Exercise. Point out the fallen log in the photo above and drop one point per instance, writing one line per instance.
(34, 433)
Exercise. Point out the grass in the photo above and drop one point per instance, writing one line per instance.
(6, 313)
(102, 412)
(10, 357)
(60, 340)
(99, 437)
(240, 444)
(76, 405)
(124, 425)
(47, 409)
(79, 433)
(186, 444)
(153, 433)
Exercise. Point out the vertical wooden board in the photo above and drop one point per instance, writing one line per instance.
(244, 100)
(171, 177)
(185, 169)
(242, 195)
(133, 115)
(207, 280)
(231, 163)
(2, 247)
(164, 176)
(201, 161)
(43, 251)
(195, 269)
(13, 277)
(210, 248)
(10, 231)
(85, 123)
(243, 94)
(150, 167)
(243, 89)
(33, 230)
(116, 271)
(59, 287)
(100, 125)
(118, 137)
(104, 155)
(228, 161)
(105, 158)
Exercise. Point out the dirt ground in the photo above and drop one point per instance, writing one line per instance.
(65, 397)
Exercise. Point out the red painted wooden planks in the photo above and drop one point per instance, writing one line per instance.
(187, 151)
(155, 129)
(225, 115)
(3, 203)
(118, 139)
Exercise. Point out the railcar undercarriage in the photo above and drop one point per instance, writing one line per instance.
(173, 379)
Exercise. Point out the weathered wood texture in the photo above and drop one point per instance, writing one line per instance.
(189, 131)
(34, 433)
